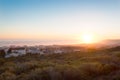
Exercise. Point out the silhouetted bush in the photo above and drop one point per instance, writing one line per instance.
(2, 53)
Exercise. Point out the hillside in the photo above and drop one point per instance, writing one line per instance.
(92, 65)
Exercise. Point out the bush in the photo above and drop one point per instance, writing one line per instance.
(2, 61)
(2, 53)
(24, 67)
(7, 76)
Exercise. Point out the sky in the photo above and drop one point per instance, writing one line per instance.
(59, 19)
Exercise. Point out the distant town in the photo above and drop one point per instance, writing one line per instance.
(15, 51)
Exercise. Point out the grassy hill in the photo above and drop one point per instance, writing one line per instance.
(92, 65)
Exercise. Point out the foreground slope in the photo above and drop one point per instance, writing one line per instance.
(93, 65)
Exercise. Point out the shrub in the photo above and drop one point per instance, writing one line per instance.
(24, 67)
(2, 53)
(7, 76)
(2, 61)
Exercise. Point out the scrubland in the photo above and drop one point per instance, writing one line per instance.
(91, 65)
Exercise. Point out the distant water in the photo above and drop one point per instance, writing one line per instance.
(32, 42)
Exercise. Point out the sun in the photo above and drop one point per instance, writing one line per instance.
(87, 38)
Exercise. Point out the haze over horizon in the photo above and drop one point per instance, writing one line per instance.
(59, 20)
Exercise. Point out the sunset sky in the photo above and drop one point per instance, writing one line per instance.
(59, 19)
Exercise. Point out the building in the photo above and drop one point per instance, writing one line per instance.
(14, 52)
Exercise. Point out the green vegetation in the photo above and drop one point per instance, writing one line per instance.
(92, 65)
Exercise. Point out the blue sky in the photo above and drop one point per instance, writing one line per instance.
(59, 19)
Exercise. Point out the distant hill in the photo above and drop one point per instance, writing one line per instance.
(103, 44)
(109, 43)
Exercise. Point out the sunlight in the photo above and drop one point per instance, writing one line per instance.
(88, 38)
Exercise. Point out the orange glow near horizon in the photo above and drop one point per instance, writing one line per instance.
(80, 38)
(88, 38)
